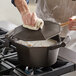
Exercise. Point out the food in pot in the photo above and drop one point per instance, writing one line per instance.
(41, 43)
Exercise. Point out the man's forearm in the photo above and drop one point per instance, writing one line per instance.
(21, 5)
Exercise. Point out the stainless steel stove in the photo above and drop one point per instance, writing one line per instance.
(10, 66)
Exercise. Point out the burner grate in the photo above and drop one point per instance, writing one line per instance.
(60, 68)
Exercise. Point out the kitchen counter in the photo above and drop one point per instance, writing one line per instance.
(71, 54)
(72, 44)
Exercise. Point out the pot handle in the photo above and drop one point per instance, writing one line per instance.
(57, 46)
(62, 44)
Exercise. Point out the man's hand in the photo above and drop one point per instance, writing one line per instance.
(72, 25)
(29, 18)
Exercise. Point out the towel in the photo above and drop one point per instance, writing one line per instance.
(39, 24)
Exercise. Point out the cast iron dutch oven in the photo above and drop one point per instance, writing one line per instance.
(36, 56)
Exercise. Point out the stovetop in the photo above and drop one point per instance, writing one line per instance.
(10, 66)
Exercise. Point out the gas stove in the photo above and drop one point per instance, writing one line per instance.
(10, 66)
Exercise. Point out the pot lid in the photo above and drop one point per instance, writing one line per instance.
(49, 30)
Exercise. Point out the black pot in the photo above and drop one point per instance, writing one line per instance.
(37, 56)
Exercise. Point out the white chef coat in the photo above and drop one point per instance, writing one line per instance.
(59, 10)
(56, 11)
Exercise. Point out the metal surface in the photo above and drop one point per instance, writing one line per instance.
(49, 30)
(68, 54)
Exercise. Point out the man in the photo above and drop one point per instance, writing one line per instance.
(53, 10)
